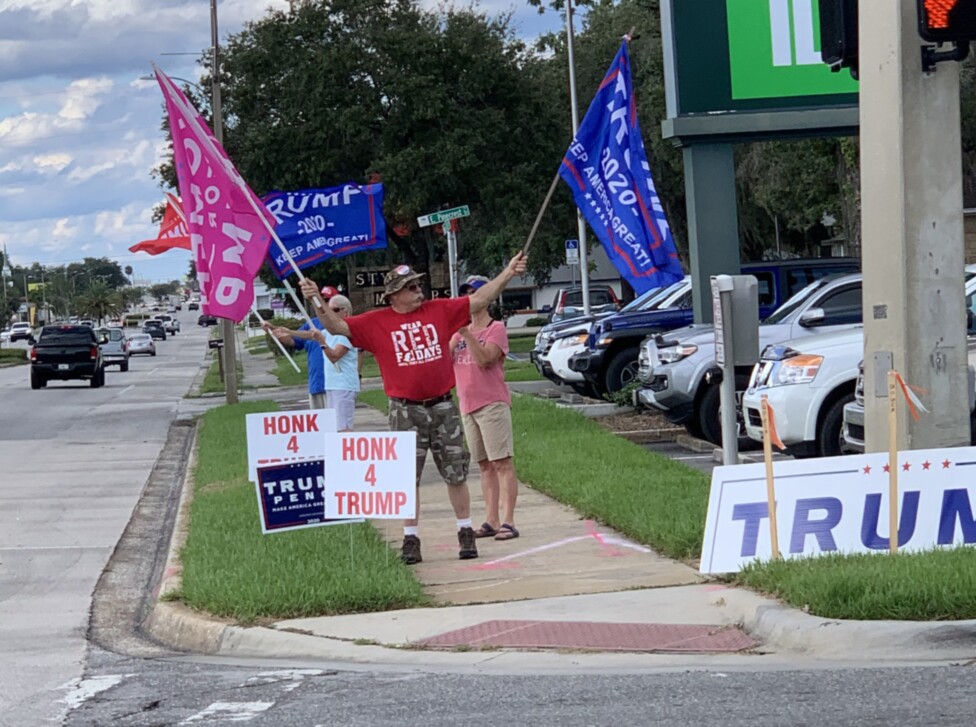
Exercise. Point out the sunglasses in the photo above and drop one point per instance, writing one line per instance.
(336, 310)
(412, 287)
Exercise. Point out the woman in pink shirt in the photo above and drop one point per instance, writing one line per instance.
(478, 352)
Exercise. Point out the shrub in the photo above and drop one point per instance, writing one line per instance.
(537, 321)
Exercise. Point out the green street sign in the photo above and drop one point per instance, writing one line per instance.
(435, 218)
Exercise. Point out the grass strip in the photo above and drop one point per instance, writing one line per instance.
(212, 383)
(230, 569)
(13, 356)
(521, 344)
(646, 496)
(932, 585)
(521, 371)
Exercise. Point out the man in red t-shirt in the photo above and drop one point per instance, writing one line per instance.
(410, 340)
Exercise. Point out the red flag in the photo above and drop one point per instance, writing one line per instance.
(172, 232)
(229, 226)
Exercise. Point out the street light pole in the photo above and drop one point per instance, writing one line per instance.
(580, 223)
(228, 351)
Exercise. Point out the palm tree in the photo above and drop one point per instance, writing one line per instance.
(100, 302)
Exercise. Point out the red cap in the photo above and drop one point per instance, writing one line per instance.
(329, 292)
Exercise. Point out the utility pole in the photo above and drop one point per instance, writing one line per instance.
(229, 350)
(912, 240)
(580, 222)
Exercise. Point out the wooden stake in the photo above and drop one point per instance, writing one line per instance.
(770, 485)
(892, 462)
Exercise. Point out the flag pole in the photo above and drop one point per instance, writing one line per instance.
(892, 463)
(261, 321)
(235, 177)
(538, 217)
(770, 484)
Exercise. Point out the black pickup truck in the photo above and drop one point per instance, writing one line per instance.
(65, 353)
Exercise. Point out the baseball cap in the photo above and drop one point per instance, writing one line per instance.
(396, 279)
(329, 292)
(473, 282)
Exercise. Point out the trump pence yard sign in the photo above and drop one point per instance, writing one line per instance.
(840, 505)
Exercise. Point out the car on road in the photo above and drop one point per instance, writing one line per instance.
(679, 373)
(115, 346)
(141, 344)
(4, 335)
(21, 332)
(64, 353)
(193, 305)
(207, 320)
(171, 324)
(154, 328)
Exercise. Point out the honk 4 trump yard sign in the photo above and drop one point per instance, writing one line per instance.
(278, 437)
(840, 504)
(371, 474)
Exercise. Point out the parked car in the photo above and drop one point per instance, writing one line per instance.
(21, 332)
(852, 432)
(556, 343)
(4, 335)
(141, 344)
(681, 378)
(808, 382)
(154, 328)
(66, 352)
(610, 361)
(115, 346)
(207, 320)
(568, 302)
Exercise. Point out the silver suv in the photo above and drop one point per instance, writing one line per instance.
(677, 369)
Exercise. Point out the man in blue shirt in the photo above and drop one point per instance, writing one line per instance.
(316, 359)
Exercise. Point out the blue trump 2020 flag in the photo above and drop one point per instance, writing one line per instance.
(608, 172)
(318, 224)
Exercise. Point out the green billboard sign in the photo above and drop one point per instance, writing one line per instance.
(748, 56)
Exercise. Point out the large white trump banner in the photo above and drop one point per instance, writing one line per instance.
(840, 504)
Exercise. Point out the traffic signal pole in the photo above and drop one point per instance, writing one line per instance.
(912, 230)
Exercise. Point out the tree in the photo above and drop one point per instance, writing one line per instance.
(447, 108)
(100, 302)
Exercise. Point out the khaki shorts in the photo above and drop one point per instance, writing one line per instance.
(489, 432)
(438, 429)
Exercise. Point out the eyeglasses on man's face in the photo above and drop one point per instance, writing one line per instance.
(412, 287)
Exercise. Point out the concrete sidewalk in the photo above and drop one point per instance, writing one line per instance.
(567, 594)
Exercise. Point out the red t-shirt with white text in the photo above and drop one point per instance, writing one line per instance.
(412, 348)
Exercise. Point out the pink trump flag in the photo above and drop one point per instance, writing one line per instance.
(230, 228)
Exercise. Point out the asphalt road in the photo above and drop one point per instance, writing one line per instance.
(74, 461)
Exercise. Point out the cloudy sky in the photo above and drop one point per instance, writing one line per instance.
(79, 128)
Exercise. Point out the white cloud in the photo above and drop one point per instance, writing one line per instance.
(80, 132)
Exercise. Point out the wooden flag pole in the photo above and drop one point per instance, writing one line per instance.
(542, 210)
(770, 485)
(892, 463)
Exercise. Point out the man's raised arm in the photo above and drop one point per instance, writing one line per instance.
(483, 296)
(327, 317)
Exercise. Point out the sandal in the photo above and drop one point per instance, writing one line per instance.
(506, 532)
(485, 531)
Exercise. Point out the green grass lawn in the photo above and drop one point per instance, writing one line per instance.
(521, 344)
(934, 585)
(230, 569)
(521, 371)
(13, 356)
(212, 382)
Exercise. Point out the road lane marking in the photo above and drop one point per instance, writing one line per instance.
(230, 712)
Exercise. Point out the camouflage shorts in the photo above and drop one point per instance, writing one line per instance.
(438, 429)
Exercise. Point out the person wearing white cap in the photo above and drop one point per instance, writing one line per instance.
(300, 340)
(410, 340)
